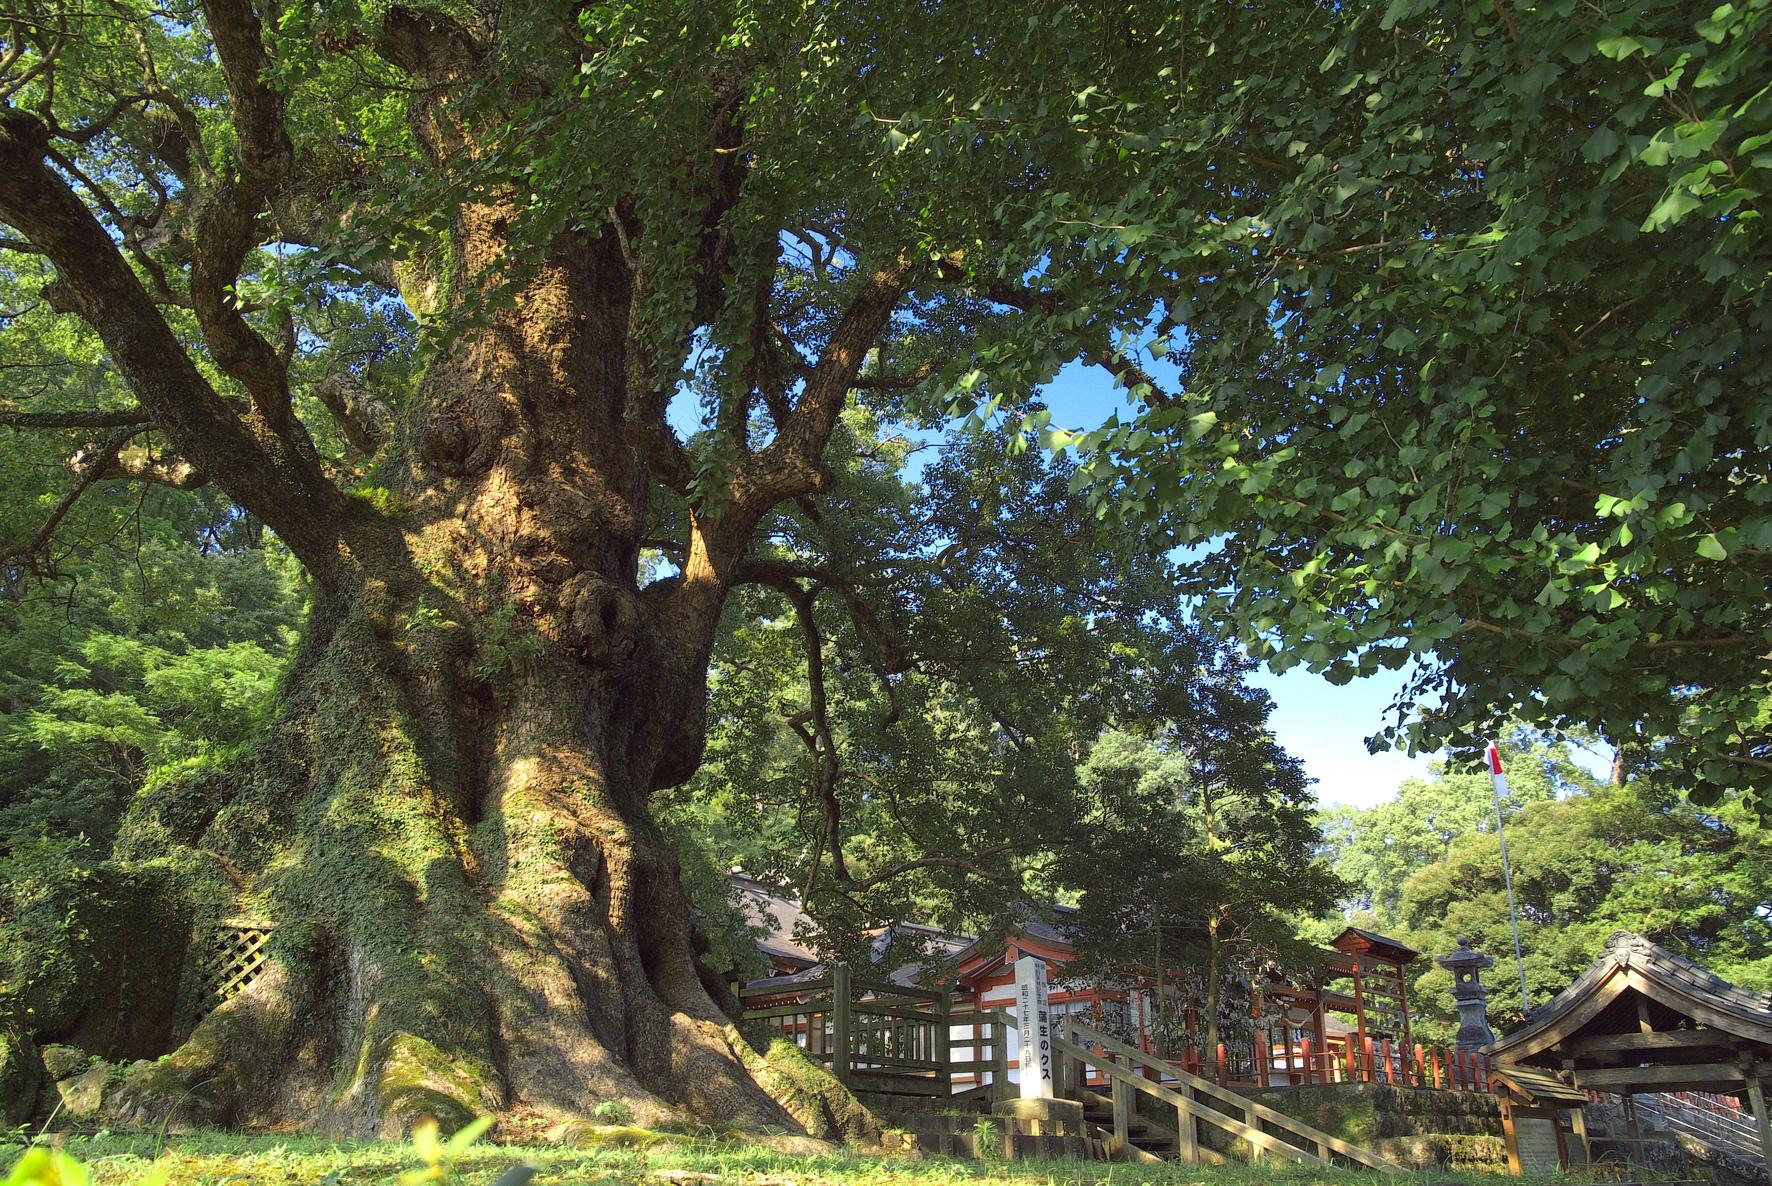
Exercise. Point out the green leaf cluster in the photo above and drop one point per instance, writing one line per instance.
(1588, 858)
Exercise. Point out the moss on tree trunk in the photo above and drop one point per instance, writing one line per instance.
(449, 818)
(473, 912)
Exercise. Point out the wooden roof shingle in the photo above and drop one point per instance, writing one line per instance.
(1636, 986)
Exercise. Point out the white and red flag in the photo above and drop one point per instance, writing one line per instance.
(1496, 776)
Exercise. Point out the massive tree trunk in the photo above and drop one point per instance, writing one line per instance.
(485, 914)
(449, 823)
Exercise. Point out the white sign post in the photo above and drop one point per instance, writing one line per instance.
(1033, 1017)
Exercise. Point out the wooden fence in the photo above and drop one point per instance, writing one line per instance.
(1379, 1060)
(896, 1040)
(1259, 1065)
(887, 1038)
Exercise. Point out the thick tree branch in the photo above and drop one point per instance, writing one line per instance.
(648, 390)
(786, 575)
(227, 221)
(266, 154)
(145, 465)
(281, 486)
(827, 765)
(734, 420)
(791, 464)
(132, 418)
(363, 419)
(895, 382)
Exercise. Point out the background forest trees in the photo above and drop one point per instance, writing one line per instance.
(1197, 860)
(1588, 856)
(979, 763)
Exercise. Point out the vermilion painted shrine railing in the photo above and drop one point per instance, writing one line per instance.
(1370, 1061)
(1373, 1061)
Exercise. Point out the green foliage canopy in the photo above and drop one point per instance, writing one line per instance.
(1444, 327)
(906, 702)
(1448, 332)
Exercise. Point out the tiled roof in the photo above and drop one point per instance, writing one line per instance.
(781, 916)
(1673, 983)
(1357, 937)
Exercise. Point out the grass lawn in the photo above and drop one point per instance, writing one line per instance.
(226, 1159)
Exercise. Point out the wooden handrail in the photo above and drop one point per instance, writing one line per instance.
(1326, 1142)
(1189, 1110)
(881, 988)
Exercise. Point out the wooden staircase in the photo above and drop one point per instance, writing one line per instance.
(1146, 1140)
(1197, 1105)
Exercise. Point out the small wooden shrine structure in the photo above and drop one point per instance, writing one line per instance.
(1541, 1119)
(1375, 966)
(1642, 1019)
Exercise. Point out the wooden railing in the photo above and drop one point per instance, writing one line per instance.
(1197, 1101)
(1304, 1064)
(979, 1053)
(800, 1013)
(1717, 1120)
(887, 1038)
(1370, 1061)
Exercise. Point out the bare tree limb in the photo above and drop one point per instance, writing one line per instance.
(126, 226)
(89, 474)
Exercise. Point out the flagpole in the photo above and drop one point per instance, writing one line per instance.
(1498, 783)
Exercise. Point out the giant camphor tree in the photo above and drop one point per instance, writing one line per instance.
(593, 211)
(610, 221)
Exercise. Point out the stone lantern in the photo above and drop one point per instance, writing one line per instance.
(1469, 994)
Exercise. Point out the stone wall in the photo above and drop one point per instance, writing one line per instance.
(1420, 1127)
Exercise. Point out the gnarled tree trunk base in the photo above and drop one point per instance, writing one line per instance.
(470, 915)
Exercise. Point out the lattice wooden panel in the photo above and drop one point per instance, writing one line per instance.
(236, 958)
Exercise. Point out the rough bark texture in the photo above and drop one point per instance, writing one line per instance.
(487, 917)
(449, 822)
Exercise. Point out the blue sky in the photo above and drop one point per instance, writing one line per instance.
(1323, 725)
(1327, 727)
